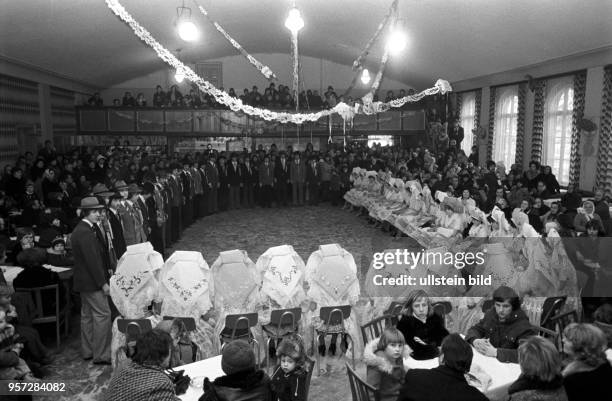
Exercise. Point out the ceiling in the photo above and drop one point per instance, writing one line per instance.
(450, 39)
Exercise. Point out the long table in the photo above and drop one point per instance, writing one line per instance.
(10, 272)
(197, 371)
(502, 374)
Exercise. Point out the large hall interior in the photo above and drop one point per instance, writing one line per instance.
(291, 200)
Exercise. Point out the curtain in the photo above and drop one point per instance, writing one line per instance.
(578, 114)
(520, 125)
(467, 111)
(491, 124)
(557, 127)
(538, 121)
(604, 155)
(505, 126)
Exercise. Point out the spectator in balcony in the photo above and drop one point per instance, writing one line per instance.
(232, 93)
(254, 93)
(246, 97)
(330, 100)
(140, 100)
(175, 98)
(272, 88)
(159, 98)
(330, 90)
(128, 100)
(196, 101)
(95, 100)
(116, 102)
(276, 102)
(390, 96)
(315, 100)
(257, 100)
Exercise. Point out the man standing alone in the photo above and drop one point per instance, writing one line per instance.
(91, 281)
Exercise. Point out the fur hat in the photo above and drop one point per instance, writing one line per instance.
(236, 357)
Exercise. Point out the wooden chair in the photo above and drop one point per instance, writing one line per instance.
(283, 320)
(374, 328)
(552, 335)
(132, 328)
(551, 307)
(561, 321)
(60, 316)
(395, 310)
(442, 308)
(244, 321)
(333, 316)
(360, 390)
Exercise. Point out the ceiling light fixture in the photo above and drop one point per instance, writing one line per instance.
(187, 30)
(397, 40)
(294, 21)
(365, 76)
(179, 74)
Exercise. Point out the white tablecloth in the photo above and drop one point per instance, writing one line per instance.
(210, 368)
(502, 374)
(10, 272)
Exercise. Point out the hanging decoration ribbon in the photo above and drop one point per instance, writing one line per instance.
(235, 104)
(263, 69)
(358, 63)
(330, 139)
(296, 67)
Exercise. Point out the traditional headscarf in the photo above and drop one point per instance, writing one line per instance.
(500, 218)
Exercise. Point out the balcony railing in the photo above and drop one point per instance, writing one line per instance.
(155, 121)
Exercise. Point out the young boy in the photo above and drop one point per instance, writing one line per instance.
(12, 367)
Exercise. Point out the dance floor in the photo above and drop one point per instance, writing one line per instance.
(253, 230)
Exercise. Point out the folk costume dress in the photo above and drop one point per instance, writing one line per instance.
(186, 289)
(133, 288)
(331, 274)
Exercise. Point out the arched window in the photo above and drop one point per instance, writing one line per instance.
(506, 116)
(557, 136)
(468, 110)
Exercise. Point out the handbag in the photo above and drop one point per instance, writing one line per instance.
(180, 379)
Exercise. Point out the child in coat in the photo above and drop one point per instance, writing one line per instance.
(384, 359)
(289, 380)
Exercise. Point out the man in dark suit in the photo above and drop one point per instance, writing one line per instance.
(177, 202)
(91, 282)
(266, 182)
(281, 179)
(115, 225)
(151, 217)
(297, 178)
(455, 131)
(223, 184)
(234, 180)
(447, 381)
(250, 178)
(313, 181)
(212, 184)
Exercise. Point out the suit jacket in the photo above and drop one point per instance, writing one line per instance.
(89, 269)
(282, 174)
(117, 230)
(266, 174)
(312, 175)
(223, 176)
(212, 175)
(297, 173)
(250, 175)
(234, 175)
(177, 191)
(147, 224)
(438, 384)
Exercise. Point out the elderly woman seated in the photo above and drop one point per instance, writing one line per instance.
(585, 214)
(588, 374)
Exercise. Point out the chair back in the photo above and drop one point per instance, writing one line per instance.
(551, 335)
(241, 321)
(334, 315)
(374, 328)
(394, 310)
(35, 294)
(360, 390)
(551, 307)
(560, 322)
(286, 317)
(189, 322)
(442, 308)
(144, 324)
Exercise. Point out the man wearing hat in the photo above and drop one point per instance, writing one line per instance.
(140, 234)
(114, 221)
(90, 280)
(242, 379)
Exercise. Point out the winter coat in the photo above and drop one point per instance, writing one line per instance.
(381, 373)
(289, 386)
(432, 332)
(438, 384)
(242, 386)
(505, 336)
(135, 382)
(592, 385)
(526, 389)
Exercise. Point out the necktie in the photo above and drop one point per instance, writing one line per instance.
(99, 234)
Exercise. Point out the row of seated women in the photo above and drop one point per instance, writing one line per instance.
(185, 286)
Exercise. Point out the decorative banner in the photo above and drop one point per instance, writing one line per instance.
(236, 104)
(296, 70)
(263, 69)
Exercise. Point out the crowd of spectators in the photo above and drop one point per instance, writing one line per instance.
(273, 97)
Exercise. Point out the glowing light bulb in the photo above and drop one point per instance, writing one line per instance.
(365, 76)
(188, 31)
(179, 76)
(396, 42)
(294, 21)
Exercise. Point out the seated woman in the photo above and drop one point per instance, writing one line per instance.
(144, 378)
(373, 191)
(353, 196)
(585, 214)
(540, 377)
(283, 285)
(331, 277)
(57, 255)
(587, 376)
(393, 200)
(502, 328)
(186, 289)
(232, 296)
(422, 328)
(134, 288)
(410, 216)
(447, 228)
(384, 359)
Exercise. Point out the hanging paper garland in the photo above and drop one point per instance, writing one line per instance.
(296, 71)
(235, 104)
(263, 69)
